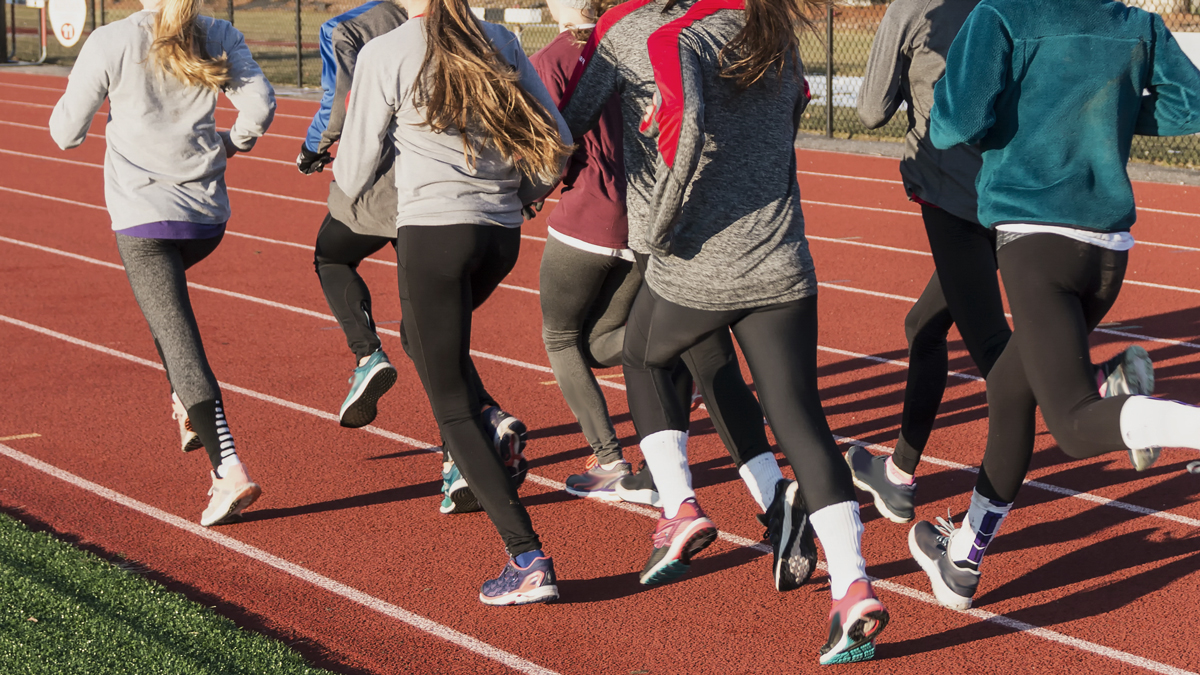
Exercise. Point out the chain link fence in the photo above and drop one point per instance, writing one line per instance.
(282, 34)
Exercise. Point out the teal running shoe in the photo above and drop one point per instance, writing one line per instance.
(459, 497)
(368, 384)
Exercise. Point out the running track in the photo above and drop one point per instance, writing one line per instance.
(346, 556)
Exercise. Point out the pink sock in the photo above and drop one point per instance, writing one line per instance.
(897, 476)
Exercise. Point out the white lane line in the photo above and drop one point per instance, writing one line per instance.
(302, 573)
(620, 387)
(864, 244)
(921, 596)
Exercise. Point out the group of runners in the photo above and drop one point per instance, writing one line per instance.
(669, 126)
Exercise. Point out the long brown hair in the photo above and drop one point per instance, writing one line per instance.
(769, 37)
(178, 46)
(595, 10)
(466, 85)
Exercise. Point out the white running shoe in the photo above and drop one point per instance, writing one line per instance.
(230, 495)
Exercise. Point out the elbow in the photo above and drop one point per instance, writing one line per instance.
(871, 117)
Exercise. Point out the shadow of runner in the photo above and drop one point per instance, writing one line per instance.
(600, 589)
(399, 494)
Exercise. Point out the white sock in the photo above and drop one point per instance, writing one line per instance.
(840, 531)
(983, 521)
(761, 474)
(1154, 422)
(666, 457)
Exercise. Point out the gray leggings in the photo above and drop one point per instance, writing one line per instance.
(585, 300)
(155, 268)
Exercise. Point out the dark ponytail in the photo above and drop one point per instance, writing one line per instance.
(769, 37)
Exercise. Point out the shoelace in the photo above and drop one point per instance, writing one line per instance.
(946, 527)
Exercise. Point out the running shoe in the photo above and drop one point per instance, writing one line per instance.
(458, 495)
(370, 382)
(639, 488)
(510, 436)
(522, 586)
(854, 623)
(895, 502)
(676, 541)
(189, 440)
(229, 496)
(953, 586)
(598, 482)
(791, 537)
(697, 398)
(1131, 372)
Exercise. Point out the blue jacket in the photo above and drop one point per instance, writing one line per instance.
(1054, 92)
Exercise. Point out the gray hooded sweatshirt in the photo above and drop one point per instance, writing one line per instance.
(907, 58)
(165, 159)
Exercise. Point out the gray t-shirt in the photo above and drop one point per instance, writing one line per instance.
(165, 160)
(435, 184)
(907, 58)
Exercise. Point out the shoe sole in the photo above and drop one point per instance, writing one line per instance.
(643, 496)
(858, 645)
(362, 411)
(193, 443)
(880, 504)
(539, 594)
(945, 596)
(244, 499)
(702, 534)
(464, 500)
(601, 495)
(795, 536)
(1139, 372)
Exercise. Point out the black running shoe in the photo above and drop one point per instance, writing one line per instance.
(639, 488)
(791, 537)
(895, 502)
(953, 586)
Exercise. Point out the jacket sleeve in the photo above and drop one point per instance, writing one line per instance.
(532, 188)
(369, 118)
(87, 87)
(312, 139)
(345, 54)
(248, 91)
(887, 66)
(1173, 106)
(595, 80)
(977, 68)
(681, 143)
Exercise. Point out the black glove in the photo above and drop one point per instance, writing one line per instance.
(310, 162)
(530, 211)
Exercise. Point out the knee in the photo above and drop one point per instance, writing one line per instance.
(925, 333)
(559, 340)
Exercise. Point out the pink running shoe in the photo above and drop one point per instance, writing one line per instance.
(854, 623)
(188, 438)
(230, 495)
(676, 541)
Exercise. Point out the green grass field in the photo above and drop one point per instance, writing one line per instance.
(63, 610)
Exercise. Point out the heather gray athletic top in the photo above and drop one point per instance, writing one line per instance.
(726, 228)
(616, 60)
(907, 58)
(165, 160)
(435, 184)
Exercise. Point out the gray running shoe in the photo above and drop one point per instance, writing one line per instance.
(791, 537)
(1130, 373)
(639, 488)
(597, 482)
(895, 502)
(953, 586)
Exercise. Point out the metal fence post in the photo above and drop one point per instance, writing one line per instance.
(102, 17)
(829, 70)
(299, 50)
(3, 34)
(230, 12)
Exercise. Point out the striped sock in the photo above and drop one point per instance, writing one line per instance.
(208, 421)
(979, 529)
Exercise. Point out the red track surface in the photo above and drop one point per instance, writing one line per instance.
(1096, 571)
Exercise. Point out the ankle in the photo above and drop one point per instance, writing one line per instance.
(897, 475)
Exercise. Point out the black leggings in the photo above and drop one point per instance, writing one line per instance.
(339, 251)
(1059, 290)
(445, 271)
(963, 291)
(780, 345)
(732, 408)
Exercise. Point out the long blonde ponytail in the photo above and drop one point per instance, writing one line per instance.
(178, 46)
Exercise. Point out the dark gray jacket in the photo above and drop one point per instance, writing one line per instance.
(373, 213)
(907, 58)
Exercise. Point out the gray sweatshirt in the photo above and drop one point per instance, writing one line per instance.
(374, 212)
(165, 159)
(907, 58)
(434, 182)
(616, 61)
(726, 227)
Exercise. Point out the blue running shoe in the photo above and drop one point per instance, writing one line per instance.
(369, 382)
(510, 435)
(459, 497)
(522, 585)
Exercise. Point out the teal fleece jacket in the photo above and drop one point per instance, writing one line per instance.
(1054, 92)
